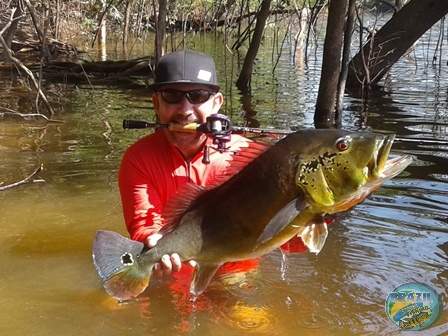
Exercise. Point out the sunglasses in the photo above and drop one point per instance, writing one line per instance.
(194, 96)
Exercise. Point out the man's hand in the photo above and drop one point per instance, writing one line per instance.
(168, 263)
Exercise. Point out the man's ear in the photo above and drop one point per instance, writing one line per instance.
(155, 102)
(218, 99)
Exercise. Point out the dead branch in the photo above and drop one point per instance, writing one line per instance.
(29, 73)
(27, 115)
(25, 180)
(41, 35)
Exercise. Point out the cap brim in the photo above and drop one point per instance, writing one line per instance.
(158, 85)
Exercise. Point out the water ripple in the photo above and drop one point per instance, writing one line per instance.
(249, 318)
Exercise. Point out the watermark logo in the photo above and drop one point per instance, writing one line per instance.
(413, 306)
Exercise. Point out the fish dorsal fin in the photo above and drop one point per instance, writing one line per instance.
(282, 219)
(241, 158)
(178, 203)
(188, 193)
(202, 275)
(314, 234)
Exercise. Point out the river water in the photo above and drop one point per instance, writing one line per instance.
(48, 285)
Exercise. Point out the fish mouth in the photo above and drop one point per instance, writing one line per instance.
(379, 158)
(381, 167)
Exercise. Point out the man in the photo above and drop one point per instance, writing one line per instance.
(158, 165)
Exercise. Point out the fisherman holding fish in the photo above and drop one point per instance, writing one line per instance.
(171, 188)
(153, 169)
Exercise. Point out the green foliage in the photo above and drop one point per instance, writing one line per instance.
(88, 25)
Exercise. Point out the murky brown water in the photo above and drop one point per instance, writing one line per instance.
(48, 285)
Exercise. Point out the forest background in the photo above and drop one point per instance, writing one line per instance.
(44, 40)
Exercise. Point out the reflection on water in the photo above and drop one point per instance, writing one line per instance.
(48, 284)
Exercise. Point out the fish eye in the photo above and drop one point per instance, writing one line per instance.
(343, 144)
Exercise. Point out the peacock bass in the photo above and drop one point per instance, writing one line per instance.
(285, 191)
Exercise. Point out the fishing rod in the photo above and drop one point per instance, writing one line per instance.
(216, 123)
(217, 126)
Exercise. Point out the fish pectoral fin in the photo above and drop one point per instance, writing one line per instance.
(314, 234)
(281, 220)
(202, 275)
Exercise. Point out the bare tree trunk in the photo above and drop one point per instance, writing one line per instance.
(57, 19)
(127, 20)
(331, 65)
(392, 41)
(43, 40)
(14, 23)
(160, 29)
(345, 60)
(102, 38)
(243, 80)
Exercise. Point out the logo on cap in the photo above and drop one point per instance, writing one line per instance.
(204, 75)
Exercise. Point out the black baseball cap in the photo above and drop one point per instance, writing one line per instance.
(185, 66)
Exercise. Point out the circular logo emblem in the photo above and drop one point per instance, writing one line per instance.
(413, 306)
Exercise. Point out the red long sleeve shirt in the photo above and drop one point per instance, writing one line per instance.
(152, 170)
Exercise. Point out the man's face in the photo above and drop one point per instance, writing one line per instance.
(185, 112)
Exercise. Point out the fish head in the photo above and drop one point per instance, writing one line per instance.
(339, 169)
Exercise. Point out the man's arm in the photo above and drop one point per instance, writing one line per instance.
(141, 203)
(142, 211)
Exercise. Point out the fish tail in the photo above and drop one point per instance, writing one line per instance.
(117, 260)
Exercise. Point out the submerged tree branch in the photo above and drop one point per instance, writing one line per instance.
(27, 115)
(25, 180)
(29, 73)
